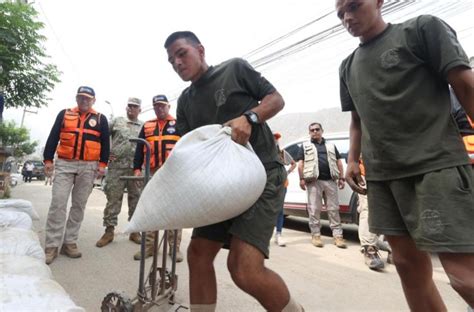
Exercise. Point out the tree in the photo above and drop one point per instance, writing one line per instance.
(17, 139)
(25, 77)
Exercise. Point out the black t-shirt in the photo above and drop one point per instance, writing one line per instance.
(397, 84)
(323, 163)
(225, 92)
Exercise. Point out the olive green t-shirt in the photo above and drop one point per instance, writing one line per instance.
(225, 92)
(397, 83)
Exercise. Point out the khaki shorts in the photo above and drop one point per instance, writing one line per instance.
(254, 226)
(436, 209)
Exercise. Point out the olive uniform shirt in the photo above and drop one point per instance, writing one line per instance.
(225, 92)
(397, 84)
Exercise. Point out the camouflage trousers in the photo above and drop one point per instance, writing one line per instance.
(150, 236)
(114, 189)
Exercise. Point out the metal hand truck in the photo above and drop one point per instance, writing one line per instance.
(160, 285)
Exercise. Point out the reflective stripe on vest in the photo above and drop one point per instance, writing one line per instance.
(162, 141)
(311, 163)
(79, 137)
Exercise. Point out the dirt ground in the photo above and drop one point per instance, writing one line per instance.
(321, 279)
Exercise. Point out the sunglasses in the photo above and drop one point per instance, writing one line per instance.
(132, 106)
(315, 129)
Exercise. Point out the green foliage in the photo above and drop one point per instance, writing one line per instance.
(26, 77)
(16, 138)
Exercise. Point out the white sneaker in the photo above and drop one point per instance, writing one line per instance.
(279, 241)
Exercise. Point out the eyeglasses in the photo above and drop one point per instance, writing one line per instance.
(315, 129)
(132, 106)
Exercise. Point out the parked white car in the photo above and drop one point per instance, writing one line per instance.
(296, 200)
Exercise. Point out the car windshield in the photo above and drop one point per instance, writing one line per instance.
(38, 164)
(342, 145)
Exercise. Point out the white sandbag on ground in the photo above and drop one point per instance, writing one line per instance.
(21, 242)
(29, 293)
(16, 219)
(208, 178)
(24, 265)
(19, 205)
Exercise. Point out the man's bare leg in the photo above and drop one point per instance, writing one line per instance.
(202, 277)
(416, 274)
(460, 269)
(246, 266)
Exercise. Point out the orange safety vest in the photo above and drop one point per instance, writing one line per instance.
(80, 135)
(469, 142)
(162, 138)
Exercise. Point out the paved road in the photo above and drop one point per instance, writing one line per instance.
(322, 279)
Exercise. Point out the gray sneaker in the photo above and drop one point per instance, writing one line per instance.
(383, 245)
(372, 258)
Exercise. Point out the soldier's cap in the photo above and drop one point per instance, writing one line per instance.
(277, 135)
(134, 101)
(160, 99)
(86, 91)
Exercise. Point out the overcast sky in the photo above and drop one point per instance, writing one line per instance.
(116, 47)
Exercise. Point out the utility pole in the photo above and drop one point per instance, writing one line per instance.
(24, 112)
(2, 98)
(111, 109)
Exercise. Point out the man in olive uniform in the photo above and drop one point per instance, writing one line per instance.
(121, 164)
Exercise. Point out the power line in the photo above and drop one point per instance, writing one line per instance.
(326, 34)
(275, 41)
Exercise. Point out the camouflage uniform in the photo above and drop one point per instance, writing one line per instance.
(121, 130)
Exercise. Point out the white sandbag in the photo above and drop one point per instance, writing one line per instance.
(17, 219)
(21, 242)
(24, 265)
(19, 205)
(30, 293)
(208, 178)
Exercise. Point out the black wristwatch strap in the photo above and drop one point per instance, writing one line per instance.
(252, 117)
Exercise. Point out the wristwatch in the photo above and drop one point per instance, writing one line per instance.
(252, 117)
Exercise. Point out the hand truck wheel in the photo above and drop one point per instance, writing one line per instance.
(115, 302)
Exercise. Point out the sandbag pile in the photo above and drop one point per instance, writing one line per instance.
(208, 178)
(26, 282)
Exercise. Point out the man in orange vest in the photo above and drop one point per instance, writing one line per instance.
(82, 154)
(162, 136)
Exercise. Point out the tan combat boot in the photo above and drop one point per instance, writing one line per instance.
(148, 253)
(107, 238)
(71, 250)
(136, 238)
(51, 253)
(339, 242)
(316, 241)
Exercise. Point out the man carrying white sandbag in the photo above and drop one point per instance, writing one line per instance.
(235, 94)
(162, 135)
